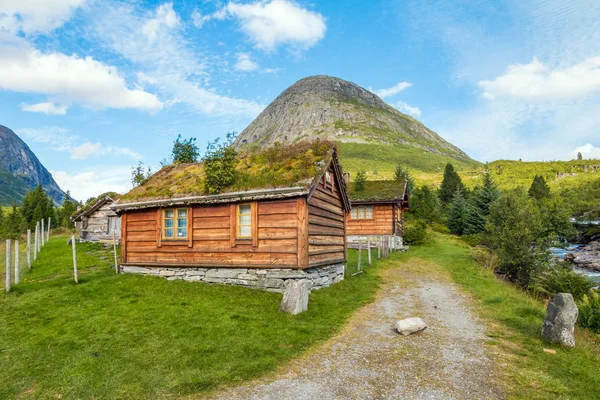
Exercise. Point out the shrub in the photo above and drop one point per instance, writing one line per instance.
(416, 233)
(589, 312)
(472, 240)
(440, 228)
(485, 257)
(562, 279)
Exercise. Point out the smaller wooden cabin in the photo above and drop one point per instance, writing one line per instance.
(378, 211)
(97, 221)
(286, 219)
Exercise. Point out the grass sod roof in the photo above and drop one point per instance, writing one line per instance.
(388, 190)
(277, 167)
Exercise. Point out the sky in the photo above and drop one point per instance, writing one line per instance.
(96, 86)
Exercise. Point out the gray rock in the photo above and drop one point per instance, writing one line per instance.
(225, 273)
(410, 325)
(295, 296)
(559, 324)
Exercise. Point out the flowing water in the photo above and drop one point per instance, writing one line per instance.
(562, 252)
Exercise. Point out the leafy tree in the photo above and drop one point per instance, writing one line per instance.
(456, 219)
(539, 188)
(579, 156)
(185, 150)
(425, 205)
(556, 217)
(220, 161)
(359, 182)
(402, 175)
(516, 231)
(139, 175)
(450, 185)
(36, 205)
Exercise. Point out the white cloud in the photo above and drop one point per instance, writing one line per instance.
(537, 81)
(165, 18)
(394, 90)
(169, 64)
(87, 150)
(408, 109)
(198, 19)
(69, 79)
(587, 151)
(47, 108)
(31, 16)
(269, 24)
(92, 183)
(244, 63)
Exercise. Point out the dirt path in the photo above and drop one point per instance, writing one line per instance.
(369, 360)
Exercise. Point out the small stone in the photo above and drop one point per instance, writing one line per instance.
(410, 325)
(295, 296)
(166, 272)
(559, 324)
(549, 351)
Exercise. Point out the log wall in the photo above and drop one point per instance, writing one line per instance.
(100, 225)
(382, 222)
(326, 224)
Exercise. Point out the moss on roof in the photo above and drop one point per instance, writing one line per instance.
(278, 166)
(377, 191)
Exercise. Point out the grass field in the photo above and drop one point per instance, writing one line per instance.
(514, 320)
(137, 337)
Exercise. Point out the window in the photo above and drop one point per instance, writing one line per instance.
(175, 223)
(362, 212)
(244, 221)
(328, 180)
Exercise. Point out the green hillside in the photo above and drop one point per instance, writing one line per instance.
(12, 188)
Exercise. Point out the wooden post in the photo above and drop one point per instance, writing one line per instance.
(8, 266)
(35, 243)
(359, 253)
(74, 259)
(28, 248)
(17, 272)
(379, 240)
(115, 250)
(43, 233)
(369, 248)
(49, 221)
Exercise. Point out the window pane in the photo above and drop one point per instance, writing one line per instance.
(245, 231)
(168, 223)
(182, 232)
(353, 213)
(169, 233)
(169, 213)
(182, 223)
(369, 212)
(182, 213)
(245, 209)
(245, 220)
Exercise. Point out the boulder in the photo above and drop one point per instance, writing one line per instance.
(410, 325)
(295, 296)
(559, 324)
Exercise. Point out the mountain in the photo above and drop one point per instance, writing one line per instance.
(20, 170)
(371, 134)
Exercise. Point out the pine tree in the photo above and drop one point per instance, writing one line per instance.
(68, 208)
(579, 156)
(450, 185)
(34, 200)
(402, 175)
(456, 219)
(539, 188)
(359, 182)
(12, 223)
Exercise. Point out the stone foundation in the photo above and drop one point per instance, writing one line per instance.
(271, 280)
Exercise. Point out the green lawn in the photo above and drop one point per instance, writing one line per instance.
(515, 321)
(137, 337)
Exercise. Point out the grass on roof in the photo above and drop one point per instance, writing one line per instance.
(377, 190)
(279, 166)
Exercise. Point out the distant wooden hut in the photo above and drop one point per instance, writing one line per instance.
(378, 211)
(97, 221)
(285, 219)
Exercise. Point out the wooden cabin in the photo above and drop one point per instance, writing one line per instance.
(258, 237)
(378, 212)
(97, 221)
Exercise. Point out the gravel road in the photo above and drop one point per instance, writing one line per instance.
(369, 360)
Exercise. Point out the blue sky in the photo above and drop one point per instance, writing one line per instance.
(94, 87)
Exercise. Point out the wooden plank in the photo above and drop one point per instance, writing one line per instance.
(314, 210)
(317, 220)
(124, 222)
(224, 258)
(144, 236)
(142, 215)
(210, 211)
(326, 206)
(212, 222)
(325, 240)
(212, 265)
(302, 242)
(279, 207)
(212, 234)
(232, 224)
(158, 227)
(277, 233)
(254, 226)
(314, 250)
(324, 231)
(328, 197)
(190, 227)
(324, 258)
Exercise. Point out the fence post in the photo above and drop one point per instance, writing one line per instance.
(35, 243)
(17, 272)
(74, 259)
(49, 221)
(8, 265)
(43, 232)
(28, 248)
(369, 248)
(359, 254)
(115, 250)
(379, 240)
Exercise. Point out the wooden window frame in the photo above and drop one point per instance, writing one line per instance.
(234, 227)
(364, 213)
(175, 240)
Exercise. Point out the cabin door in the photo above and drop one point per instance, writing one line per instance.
(114, 226)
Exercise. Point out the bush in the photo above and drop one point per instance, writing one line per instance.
(415, 234)
(472, 240)
(562, 279)
(440, 228)
(589, 312)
